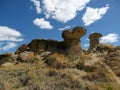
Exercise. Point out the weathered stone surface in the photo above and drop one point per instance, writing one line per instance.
(72, 37)
(94, 40)
(26, 56)
(74, 52)
(39, 45)
(22, 48)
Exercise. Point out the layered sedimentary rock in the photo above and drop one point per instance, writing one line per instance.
(94, 40)
(72, 40)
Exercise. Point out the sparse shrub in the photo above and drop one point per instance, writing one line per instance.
(97, 77)
(118, 73)
(33, 87)
(109, 88)
(80, 66)
(24, 79)
(88, 69)
(2, 86)
(56, 61)
(7, 59)
(52, 72)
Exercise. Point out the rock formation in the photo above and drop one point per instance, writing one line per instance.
(39, 45)
(94, 40)
(71, 43)
(21, 49)
(26, 56)
(72, 37)
(72, 40)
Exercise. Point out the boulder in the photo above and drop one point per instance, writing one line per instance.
(94, 40)
(26, 56)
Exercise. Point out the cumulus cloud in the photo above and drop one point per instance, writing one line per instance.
(64, 28)
(9, 45)
(37, 5)
(110, 38)
(63, 10)
(9, 37)
(93, 14)
(9, 34)
(42, 23)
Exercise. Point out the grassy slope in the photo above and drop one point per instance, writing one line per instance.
(47, 76)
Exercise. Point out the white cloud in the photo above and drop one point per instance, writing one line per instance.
(63, 10)
(41, 23)
(37, 5)
(9, 34)
(110, 38)
(64, 28)
(8, 46)
(9, 37)
(93, 14)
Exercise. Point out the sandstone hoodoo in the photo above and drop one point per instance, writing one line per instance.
(72, 40)
(94, 40)
(72, 37)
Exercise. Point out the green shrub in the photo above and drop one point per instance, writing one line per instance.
(89, 69)
(109, 88)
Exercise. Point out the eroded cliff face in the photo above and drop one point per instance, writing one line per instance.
(38, 45)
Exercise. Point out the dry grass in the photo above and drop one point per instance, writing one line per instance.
(58, 72)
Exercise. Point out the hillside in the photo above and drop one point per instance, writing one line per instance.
(53, 65)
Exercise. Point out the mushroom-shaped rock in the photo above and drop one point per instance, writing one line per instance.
(94, 40)
(72, 40)
(72, 37)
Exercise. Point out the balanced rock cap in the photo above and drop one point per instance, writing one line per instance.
(95, 35)
(76, 33)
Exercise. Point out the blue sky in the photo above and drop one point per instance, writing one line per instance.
(24, 20)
